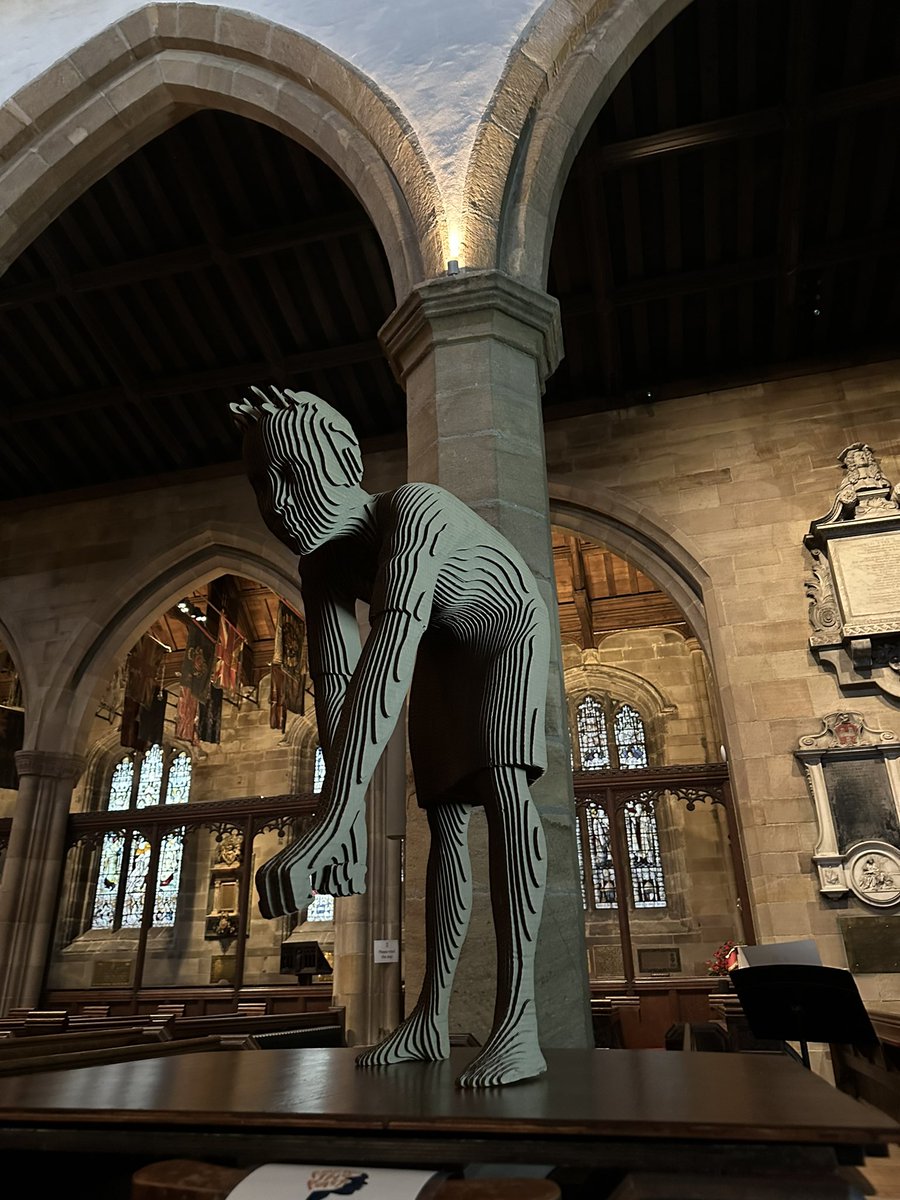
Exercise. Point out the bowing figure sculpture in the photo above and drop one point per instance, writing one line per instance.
(456, 621)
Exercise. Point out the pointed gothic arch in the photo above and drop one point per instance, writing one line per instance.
(76, 121)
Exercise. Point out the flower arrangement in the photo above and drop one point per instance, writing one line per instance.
(724, 960)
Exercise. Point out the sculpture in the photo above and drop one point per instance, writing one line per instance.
(456, 616)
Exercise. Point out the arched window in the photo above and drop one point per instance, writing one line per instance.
(141, 780)
(321, 907)
(625, 750)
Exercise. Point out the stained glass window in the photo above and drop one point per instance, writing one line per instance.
(593, 742)
(150, 779)
(168, 878)
(321, 908)
(120, 787)
(178, 789)
(136, 882)
(108, 881)
(603, 876)
(631, 741)
(628, 751)
(648, 887)
(319, 771)
(125, 859)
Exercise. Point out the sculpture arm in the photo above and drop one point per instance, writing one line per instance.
(334, 650)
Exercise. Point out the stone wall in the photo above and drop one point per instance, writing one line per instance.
(734, 478)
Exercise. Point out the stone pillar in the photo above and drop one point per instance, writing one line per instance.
(711, 736)
(473, 351)
(29, 892)
(368, 991)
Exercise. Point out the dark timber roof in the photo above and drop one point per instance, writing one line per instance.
(732, 215)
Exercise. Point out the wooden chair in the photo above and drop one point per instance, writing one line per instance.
(184, 1179)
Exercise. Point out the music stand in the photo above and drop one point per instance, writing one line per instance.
(799, 1002)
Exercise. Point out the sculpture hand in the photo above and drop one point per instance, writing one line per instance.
(330, 859)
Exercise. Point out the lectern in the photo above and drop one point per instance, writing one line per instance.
(800, 1002)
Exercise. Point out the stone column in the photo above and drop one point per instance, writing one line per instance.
(473, 351)
(29, 892)
(370, 992)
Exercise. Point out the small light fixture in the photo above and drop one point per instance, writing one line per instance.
(452, 266)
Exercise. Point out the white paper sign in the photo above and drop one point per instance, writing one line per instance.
(293, 1181)
(387, 950)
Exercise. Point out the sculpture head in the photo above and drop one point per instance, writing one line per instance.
(304, 463)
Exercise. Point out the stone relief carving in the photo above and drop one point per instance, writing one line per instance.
(854, 600)
(853, 774)
(455, 614)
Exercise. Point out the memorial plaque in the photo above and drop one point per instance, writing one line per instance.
(663, 960)
(112, 972)
(872, 944)
(221, 968)
(861, 800)
(866, 571)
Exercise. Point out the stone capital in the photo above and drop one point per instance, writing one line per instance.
(49, 764)
(473, 306)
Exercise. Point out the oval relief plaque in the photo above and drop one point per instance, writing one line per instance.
(873, 873)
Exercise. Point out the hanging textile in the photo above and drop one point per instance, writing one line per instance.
(186, 716)
(277, 710)
(290, 635)
(229, 647)
(199, 660)
(142, 674)
(209, 720)
(152, 719)
(12, 735)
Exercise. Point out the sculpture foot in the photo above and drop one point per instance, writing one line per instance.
(420, 1038)
(509, 1057)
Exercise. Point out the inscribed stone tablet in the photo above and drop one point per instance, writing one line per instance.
(861, 801)
(866, 571)
(872, 944)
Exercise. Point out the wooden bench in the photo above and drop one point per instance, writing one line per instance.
(29, 1062)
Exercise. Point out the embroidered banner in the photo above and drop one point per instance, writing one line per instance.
(186, 716)
(199, 660)
(290, 635)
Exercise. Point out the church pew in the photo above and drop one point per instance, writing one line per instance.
(82, 1039)
(29, 1063)
(872, 1073)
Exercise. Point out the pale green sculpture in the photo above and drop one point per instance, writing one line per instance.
(457, 621)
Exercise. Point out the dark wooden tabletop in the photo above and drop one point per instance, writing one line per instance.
(603, 1094)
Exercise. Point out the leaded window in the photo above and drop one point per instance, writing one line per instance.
(626, 749)
(321, 907)
(141, 780)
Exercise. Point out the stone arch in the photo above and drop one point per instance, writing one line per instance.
(557, 78)
(302, 736)
(124, 613)
(663, 553)
(65, 129)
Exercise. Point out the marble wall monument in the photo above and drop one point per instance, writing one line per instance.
(456, 619)
(854, 588)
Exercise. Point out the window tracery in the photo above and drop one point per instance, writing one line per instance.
(141, 780)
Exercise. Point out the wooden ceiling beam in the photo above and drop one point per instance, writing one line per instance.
(191, 258)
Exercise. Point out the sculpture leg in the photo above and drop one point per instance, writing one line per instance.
(331, 858)
(448, 904)
(518, 858)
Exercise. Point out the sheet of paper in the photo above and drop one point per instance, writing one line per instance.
(294, 1181)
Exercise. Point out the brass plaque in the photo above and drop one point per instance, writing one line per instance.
(112, 972)
(221, 968)
(665, 960)
(872, 944)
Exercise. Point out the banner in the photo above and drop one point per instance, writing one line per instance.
(277, 710)
(186, 716)
(229, 646)
(143, 670)
(199, 660)
(151, 719)
(290, 636)
(209, 721)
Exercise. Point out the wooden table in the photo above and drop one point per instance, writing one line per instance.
(623, 1113)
